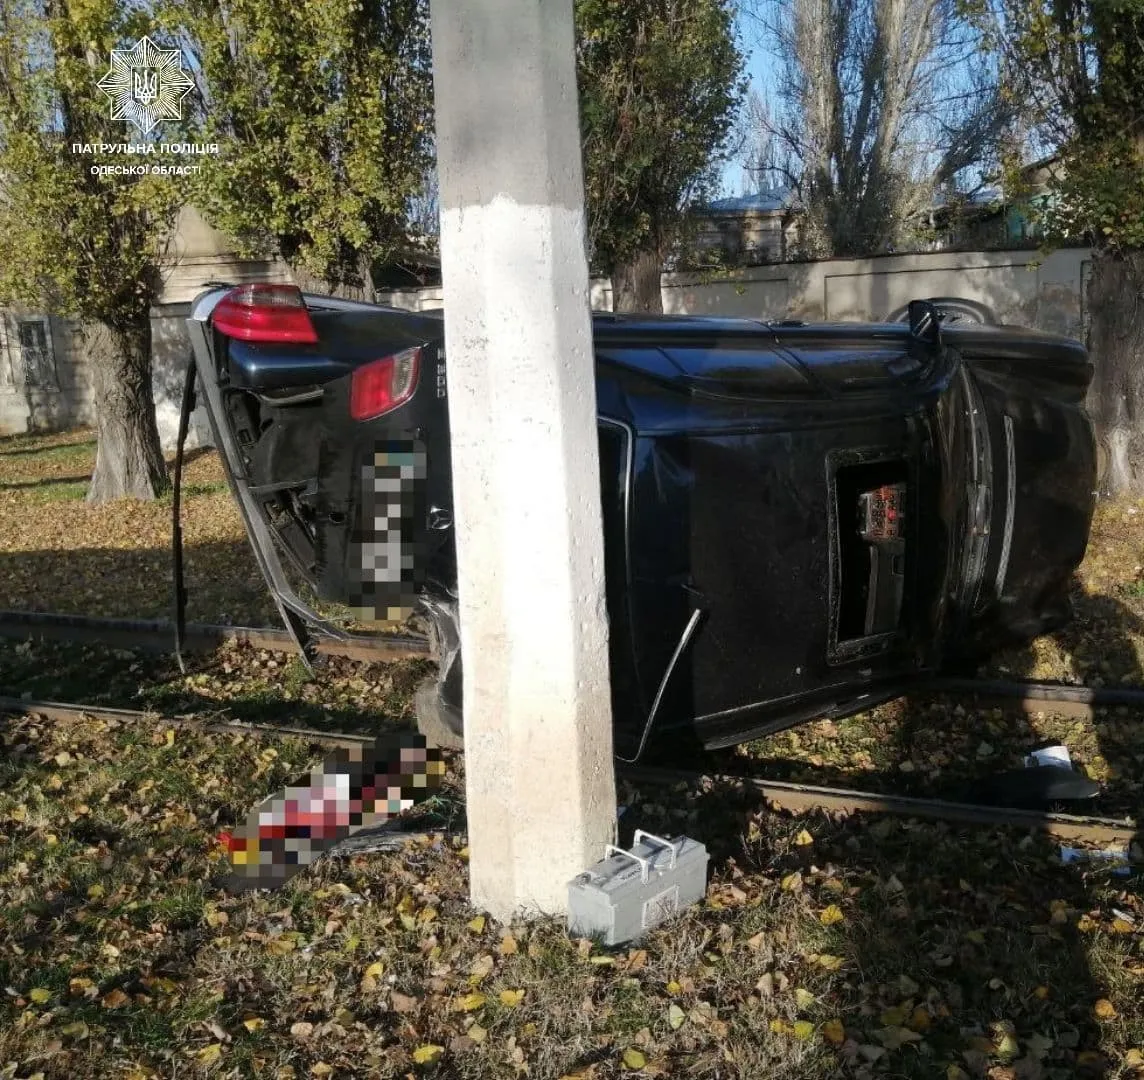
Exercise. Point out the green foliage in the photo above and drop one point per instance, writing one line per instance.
(322, 109)
(660, 85)
(1076, 66)
(71, 241)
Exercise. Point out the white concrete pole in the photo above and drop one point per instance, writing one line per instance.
(541, 797)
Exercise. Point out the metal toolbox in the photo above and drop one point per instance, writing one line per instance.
(629, 892)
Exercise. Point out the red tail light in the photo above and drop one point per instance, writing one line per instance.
(381, 385)
(265, 313)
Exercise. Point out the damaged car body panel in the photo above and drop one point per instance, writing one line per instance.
(799, 520)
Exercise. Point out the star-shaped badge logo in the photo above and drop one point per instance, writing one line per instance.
(146, 84)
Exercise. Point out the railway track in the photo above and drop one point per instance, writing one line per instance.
(159, 635)
(797, 798)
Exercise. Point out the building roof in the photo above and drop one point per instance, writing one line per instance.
(772, 201)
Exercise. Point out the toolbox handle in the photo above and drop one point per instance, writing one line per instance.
(645, 864)
(640, 834)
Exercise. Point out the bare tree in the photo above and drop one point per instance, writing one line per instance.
(881, 103)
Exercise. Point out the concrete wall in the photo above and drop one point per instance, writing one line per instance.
(1018, 285)
(197, 254)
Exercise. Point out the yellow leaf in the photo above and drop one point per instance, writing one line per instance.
(94, 892)
(634, 1059)
(831, 963)
(477, 1033)
(804, 838)
(427, 915)
(477, 924)
(803, 1029)
(976, 936)
(675, 1016)
(792, 882)
(217, 918)
(673, 987)
(255, 1023)
(1041, 993)
(375, 970)
(1104, 1010)
(833, 1032)
(423, 1055)
(76, 1030)
(831, 915)
(1085, 925)
(170, 736)
(208, 1055)
(803, 998)
(320, 1068)
(115, 999)
(507, 945)
(919, 1019)
(1134, 1058)
(1121, 926)
(511, 998)
(893, 1017)
(471, 1001)
(780, 1027)
(40, 995)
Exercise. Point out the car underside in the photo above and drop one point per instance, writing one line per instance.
(799, 520)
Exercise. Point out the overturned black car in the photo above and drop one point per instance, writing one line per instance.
(799, 520)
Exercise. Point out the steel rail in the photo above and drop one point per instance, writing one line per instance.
(803, 797)
(786, 796)
(159, 635)
(66, 710)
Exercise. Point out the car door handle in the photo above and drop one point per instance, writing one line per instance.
(440, 519)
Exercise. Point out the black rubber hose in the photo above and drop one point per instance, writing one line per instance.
(188, 407)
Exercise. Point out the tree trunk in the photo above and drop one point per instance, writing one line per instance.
(635, 284)
(1116, 346)
(128, 458)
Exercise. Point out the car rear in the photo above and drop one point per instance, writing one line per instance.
(332, 415)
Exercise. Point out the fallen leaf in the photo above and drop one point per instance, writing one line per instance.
(833, 1032)
(40, 994)
(803, 1029)
(477, 925)
(427, 1053)
(471, 1001)
(302, 1029)
(208, 1055)
(675, 1017)
(511, 998)
(804, 838)
(831, 915)
(375, 970)
(792, 882)
(115, 999)
(507, 946)
(1104, 1010)
(634, 1059)
(476, 1033)
(831, 963)
(254, 1023)
(803, 999)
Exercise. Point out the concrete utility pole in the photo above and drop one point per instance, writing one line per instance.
(541, 796)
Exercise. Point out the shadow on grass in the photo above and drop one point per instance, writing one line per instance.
(222, 580)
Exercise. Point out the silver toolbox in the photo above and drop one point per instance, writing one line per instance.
(628, 892)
